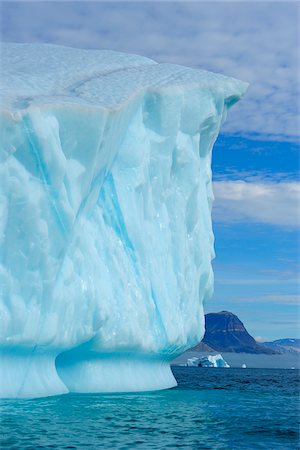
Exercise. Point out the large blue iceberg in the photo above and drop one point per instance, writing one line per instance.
(105, 202)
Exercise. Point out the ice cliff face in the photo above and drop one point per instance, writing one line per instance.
(105, 199)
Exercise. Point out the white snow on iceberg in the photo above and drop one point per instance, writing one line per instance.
(208, 361)
(105, 199)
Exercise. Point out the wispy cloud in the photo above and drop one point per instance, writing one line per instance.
(254, 176)
(254, 41)
(255, 282)
(269, 203)
(281, 299)
(281, 322)
(290, 272)
(260, 339)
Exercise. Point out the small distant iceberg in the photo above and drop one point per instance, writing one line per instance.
(244, 366)
(193, 362)
(207, 361)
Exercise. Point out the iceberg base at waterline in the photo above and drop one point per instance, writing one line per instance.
(115, 372)
(25, 372)
(29, 373)
(106, 239)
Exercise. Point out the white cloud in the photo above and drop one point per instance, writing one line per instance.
(269, 203)
(255, 282)
(254, 41)
(289, 299)
(260, 339)
(281, 299)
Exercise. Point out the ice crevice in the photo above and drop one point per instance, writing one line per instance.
(96, 76)
(105, 198)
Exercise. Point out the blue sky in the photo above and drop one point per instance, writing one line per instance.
(256, 158)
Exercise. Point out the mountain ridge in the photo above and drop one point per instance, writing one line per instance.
(225, 332)
(286, 345)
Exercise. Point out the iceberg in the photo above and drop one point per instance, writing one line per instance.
(106, 238)
(193, 362)
(208, 361)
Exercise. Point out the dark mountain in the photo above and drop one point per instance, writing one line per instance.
(226, 333)
(284, 345)
(202, 347)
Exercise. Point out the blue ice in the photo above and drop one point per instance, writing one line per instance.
(106, 237)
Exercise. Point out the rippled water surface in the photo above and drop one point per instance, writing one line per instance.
(210, 409)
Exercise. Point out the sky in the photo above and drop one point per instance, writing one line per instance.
(256, 157)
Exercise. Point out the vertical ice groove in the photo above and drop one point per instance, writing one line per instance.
(33, 145)
(109, 204)
(161, 326)
(25, 372)
(106, 239)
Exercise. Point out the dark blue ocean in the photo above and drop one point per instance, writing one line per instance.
(210, 409)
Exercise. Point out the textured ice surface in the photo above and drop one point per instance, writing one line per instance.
(106, 237)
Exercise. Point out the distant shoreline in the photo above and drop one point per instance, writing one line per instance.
(260, 361)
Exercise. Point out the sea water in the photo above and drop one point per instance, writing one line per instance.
(209, 409)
